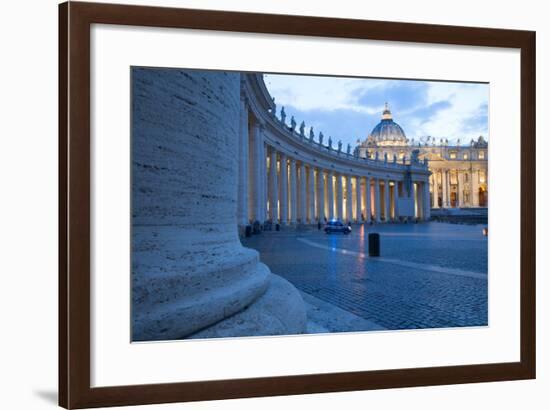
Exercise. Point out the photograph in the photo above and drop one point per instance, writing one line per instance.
(281, 204)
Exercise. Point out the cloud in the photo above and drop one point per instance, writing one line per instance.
(319, 93)
(477, 123)
(402, 96)
(348, 108)
(340, 124)
(426, 112)
(465, 116)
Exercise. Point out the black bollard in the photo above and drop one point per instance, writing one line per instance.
(248, 231)
(374, 244)
(277, 227)
(319, 225)
(256, 227)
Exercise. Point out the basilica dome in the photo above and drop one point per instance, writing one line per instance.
(387, 132)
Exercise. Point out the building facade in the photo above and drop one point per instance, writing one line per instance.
(290, 176)
(459, 177)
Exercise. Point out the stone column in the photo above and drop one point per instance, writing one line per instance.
(339, 198)
(293, 192)
(273, 187)
(257, 172)
(426, 200)
(376, 200)
(251, 172)
(417, 199)
(302, 212)
(368, 209)
(444, 201)
(330, 194)
(396, 200)
(311, 194)
(435, 191)
(387, 200)
(191, 277)
(460, 188)
(349, 197)
(320, 195)
(264, 175)
(269, 185)
(242, 210)
(475, 188)
(284, 190)
(358, 199)
(448, 188)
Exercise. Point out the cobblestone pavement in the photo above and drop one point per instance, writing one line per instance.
(429, 275)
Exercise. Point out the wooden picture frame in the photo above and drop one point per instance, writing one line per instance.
(75, 20)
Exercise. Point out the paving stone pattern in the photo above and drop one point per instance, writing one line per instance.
(393, 296)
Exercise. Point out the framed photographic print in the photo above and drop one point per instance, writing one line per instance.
(256, 205)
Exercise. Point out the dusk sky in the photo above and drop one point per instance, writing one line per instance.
(349, 108)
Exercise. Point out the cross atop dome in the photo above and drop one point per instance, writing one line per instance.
(386, 115)
(387, 132)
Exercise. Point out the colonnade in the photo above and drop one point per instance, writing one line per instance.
(288, 190)
(457, 188)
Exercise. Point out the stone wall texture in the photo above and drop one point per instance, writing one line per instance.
(189, 269)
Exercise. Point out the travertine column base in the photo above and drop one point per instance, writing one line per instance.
(279, 311)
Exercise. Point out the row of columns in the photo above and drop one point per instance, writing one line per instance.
(301, 193)
(443, 190)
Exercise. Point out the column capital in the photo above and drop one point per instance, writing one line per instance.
(245, 102)
(258, 126)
